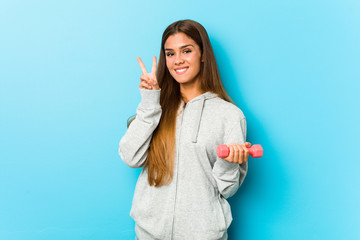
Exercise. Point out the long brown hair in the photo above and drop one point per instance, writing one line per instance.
(161, 154)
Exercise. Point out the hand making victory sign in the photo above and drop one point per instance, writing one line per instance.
(148, 80)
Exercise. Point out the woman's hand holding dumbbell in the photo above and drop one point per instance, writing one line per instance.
(239, 153)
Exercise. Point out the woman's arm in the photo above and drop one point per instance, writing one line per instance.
(133, 147)
(134, 144)
(230, 175)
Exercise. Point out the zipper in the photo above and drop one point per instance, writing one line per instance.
(177, 169)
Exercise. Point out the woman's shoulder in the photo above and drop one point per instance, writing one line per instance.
(219, 106)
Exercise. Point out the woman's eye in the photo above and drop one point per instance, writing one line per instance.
(169, 54)
(187, 51)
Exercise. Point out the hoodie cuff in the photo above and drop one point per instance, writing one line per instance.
(149, 98)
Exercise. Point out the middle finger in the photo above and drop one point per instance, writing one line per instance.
(154, 66)
(240, 154)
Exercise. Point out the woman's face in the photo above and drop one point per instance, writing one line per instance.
(183, 58)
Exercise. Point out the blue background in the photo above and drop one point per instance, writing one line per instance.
(69, 81)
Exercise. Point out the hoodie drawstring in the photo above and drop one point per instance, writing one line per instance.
(198, 120)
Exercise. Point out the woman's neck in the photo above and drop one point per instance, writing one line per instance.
(190, 92)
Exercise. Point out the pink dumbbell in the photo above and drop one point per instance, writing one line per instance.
(255, 151)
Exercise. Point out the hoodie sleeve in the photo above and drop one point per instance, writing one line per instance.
(228, 175)
(134, 145)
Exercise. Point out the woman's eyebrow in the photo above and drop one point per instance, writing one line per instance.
(187, 45)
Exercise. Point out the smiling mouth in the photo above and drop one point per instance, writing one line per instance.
(181, 70)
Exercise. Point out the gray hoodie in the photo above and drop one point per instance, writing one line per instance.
(193, 205)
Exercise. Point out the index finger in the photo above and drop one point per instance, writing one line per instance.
(154, 66)
(142, 66)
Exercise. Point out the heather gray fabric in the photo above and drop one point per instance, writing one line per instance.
(193, 205)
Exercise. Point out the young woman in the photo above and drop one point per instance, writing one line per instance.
(183, 115)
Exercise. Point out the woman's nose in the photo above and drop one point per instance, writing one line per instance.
(178, 60)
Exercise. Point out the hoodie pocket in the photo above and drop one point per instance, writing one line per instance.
(222, 217)
(214, 219)
(201, 222)
(150, 210)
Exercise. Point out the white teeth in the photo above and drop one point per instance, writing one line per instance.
(181, 70)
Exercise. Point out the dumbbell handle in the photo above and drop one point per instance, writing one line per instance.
(255, 151)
